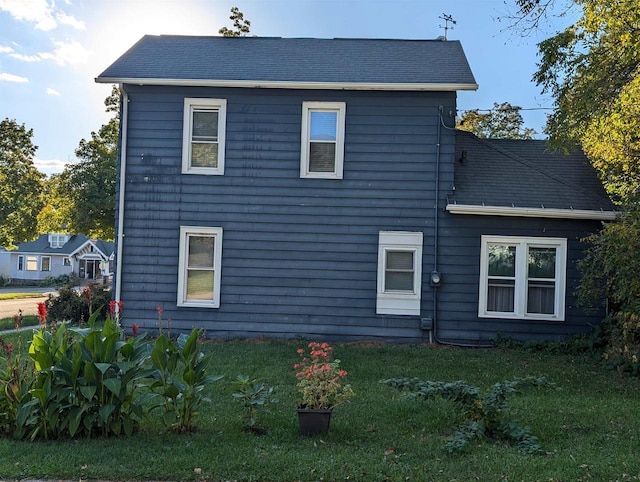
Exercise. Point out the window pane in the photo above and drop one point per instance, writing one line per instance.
(400, 260)
(541, 297)
(205, 125)
(322, 156)
(323, 126)
(32, 263)
(398, 281)
(204, 155)
(542, 263)
(199, 285)
(46, 264)
(502, 260)
(201, 252)
(500, 295)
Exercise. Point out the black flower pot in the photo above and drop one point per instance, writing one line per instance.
(314, 421)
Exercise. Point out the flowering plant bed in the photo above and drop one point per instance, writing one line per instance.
(320, 378)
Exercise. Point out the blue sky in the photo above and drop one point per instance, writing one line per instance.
(51, 50)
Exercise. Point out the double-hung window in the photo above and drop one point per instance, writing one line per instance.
(203, 136)
(32, 263)
(523, 278)
(399, 273)
(322, 146)
(199, 266)
(21, 263)
(45, 263)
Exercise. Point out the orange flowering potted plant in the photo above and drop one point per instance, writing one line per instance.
(321, 385)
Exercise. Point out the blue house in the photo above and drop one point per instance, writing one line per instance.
(317, 188)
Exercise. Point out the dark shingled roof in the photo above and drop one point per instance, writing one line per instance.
(41, 245)
(293, 60)
(524, 174)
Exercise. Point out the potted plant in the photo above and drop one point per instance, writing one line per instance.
(321, 387)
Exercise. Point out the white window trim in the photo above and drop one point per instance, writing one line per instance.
(399, 302)
(31, 259)
(21, 263)
(522, 244)
(185, 232)
(42, 263)
(189, 105)
(307, 108)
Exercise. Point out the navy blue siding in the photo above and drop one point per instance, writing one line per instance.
(460, 242)
(299, 255)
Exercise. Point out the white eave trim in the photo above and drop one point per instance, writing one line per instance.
(281, 84)
(531, 212)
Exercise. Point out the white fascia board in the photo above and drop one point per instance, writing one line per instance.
(532, 212)
(278, 84)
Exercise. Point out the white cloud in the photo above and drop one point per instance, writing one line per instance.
(12, 78)
(39, 12)
(49, 166)
(42, 13)
(65, 19)
(51, 91)
(72, 53)
(4, 49)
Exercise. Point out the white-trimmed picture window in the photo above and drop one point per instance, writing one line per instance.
(523, 278)
(32, 263)
(322, 145)
(45, 263)
(199, 266)
(203, 136)
(399, 273)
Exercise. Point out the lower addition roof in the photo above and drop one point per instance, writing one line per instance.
(506, 177)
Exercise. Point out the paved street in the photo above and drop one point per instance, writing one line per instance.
(29, 306)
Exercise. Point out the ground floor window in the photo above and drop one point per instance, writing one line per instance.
(45, 263)
(32, 263)
(522, 277)
(199, 266)
(399, 273)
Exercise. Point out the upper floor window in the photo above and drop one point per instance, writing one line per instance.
(203, 136)
(399, 273)
(200, 260)
(322, 146)
(522, 278)
(57, 240)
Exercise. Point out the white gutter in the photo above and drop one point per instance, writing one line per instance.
(532, 212)
(282, 84)
(123, 166)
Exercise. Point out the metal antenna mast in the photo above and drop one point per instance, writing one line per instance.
(447, 19)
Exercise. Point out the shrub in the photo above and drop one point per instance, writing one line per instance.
(76, 306)
(623, 349)
(255, 398)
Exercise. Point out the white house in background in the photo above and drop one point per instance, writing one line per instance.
(53, 255)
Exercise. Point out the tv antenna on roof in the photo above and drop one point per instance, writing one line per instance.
(447, 19)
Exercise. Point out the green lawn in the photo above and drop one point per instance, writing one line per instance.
(27, 320)
(20, 296)
(589, 427)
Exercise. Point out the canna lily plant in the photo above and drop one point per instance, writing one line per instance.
(320, 379)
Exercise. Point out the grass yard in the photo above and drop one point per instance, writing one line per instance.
(27, 320)
(20, 296)
(589, 427)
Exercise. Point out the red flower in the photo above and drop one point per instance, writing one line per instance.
(135, 329)
(159, 309)
(42, 313)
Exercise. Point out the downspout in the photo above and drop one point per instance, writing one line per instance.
(123, 168)
(433, 334)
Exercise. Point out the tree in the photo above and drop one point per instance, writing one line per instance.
(592, 69)
(240, 25)
(20, 184)
(55, 216)
(504, 121)
(85, 193)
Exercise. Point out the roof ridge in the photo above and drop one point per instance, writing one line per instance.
(532, 165)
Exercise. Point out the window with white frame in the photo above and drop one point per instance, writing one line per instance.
(20, 263)
(32, 263)
(522, 278)
(45, 263)
(66, 262)
(322, 145)
(203, 136)
(399, 273)
(57, 240)
(199, 266)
